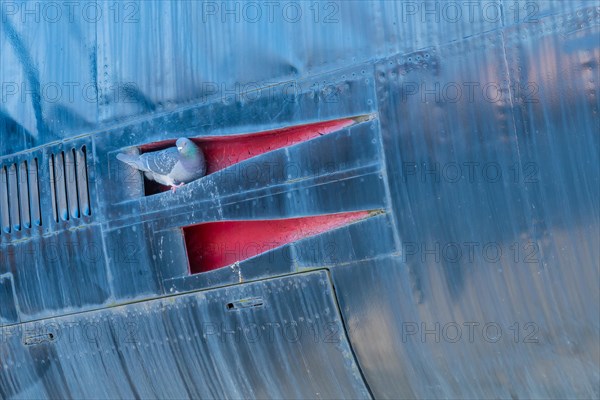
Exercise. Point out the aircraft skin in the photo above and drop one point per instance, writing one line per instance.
(401, 200)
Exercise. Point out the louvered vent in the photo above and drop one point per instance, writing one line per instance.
(69, 184)
(19, 196)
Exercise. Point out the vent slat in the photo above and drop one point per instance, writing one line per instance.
(52, 187)
(71, 183)
(13, 198)
(24, 195)
(20, 195)
(60, 186)
(4, 212)
(34, 193)
(82, 180)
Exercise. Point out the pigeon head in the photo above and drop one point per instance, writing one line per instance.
(186, 147)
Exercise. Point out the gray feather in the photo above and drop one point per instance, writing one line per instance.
(161, 162)
(168, 167)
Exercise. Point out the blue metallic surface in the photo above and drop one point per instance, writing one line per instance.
(475, 149)
(193, 346)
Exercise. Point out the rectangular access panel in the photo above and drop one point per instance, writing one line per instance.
(277, 338)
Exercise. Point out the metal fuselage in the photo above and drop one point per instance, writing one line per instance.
(401, 200)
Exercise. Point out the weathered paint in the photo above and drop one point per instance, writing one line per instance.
(504, 86)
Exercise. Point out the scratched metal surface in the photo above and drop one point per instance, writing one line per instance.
(289, 344)
(475, 149)
(509, 243)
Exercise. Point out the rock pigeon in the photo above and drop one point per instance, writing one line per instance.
(173, 167)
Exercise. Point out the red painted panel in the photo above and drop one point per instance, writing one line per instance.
(221, 152)
(215, 245)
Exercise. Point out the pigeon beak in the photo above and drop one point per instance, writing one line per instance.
(179, 148)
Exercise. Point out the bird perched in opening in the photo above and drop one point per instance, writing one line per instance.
(172, 167)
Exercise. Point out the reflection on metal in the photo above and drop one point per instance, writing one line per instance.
(8, 311)
(474, 135)
(193, 346)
